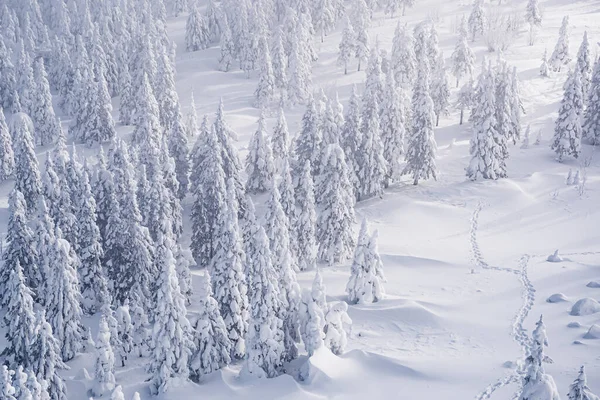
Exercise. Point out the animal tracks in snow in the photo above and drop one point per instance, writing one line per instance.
(519, 333)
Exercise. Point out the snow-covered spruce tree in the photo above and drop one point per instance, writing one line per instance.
(226, 270)
(485, 150)
(308, 141)
(105, 362)
(403, 59)
(197, 34)
(334, 197)
(351, 138)
(279, 60)
(214, 15)
(392, 130)
(7, 390)
(35, 387)
(92, 279)
(147, 132)
(579, 389)
(463, 58)
(371, 163)
(27, 174)
(591, 120)
(464, 100)
(179, 151)
(265, 347)
(536, 381)
(433, 46)
(127, 99)
(26, 87)
(567, 129)
(212, 344)
(172, 336)
(141, 334)
(185, 260)
(42, 113)
(22, 390)
(533, 14)
(8, 81)
(336, 320)
(166, 95)
(306, 220)
(477, 20)
(421, 146)
(125, 332)
(63, 298)
(312, 323)
(361, 20)
(299, 73)
(263, 95)
(440, 90)
(45, 351)
(7, 156)
(288, 203)
(561, 56)
(19, 319)
(516, 106)
(366, 280)
(347, 47)
(503, 114)
(584, 64)
(259, 162)
(280, 141)
(227, 46)
(278, 231)
(374, 80)
(20, 250)
(545, 67)
(324, 17)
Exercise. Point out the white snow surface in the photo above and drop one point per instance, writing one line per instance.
(442, 332)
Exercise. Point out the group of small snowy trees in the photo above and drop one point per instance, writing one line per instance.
(579, 113)
(537, 384)
(496, 120)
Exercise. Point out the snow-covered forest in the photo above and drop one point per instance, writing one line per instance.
(299, 199)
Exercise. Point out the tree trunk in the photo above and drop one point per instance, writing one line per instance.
(345, 68)
(462, 112)
(359, 65)
(437, 119)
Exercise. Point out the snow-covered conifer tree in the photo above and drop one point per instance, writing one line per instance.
(7, 156)
(278, 231)
(334, 196)
(8, 81)
(366, 277)
(19, 319)
(536, 380)
(591, 120)
(463, 58)
(279, 60)
(45, 352)
(172, 336)
(42, 113)
(299, 73)
(27, 174)
(567, 130)
(127, 100)
(26, 87)
(306, 220)
(561, 56)
(516, 106)
(392, 130)
(280, 141)
(141, 334)
(105, 362)
(336, 321)
(20, 250)
(227, 46)
(584, 64)
(265, 90)
(477, 20)
(265, 346)
(22, 390)
(63, 298)
(347, 47)
(361, 18)
(579, 389)
(545, 67)
(308, 141)
(421, 146)
(226, 270)
(465, 98)
(197, 33)
(212, 344)
(94, 286)
(533, 14)
(312, 323)
(7, 390)
(179, 151)
(259, 162)
(125, 332)
(371, 162)
(403, 59)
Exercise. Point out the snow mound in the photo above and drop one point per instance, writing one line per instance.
(594, 285)
(509, 364)
(574, 324)
(396, 313)
(544, 389)
(557, 298)
(585, 306)
(593, 332)
(554, 257)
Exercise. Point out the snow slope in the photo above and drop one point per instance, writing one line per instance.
(465, 261)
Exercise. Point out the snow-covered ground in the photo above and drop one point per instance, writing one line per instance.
(467, 276)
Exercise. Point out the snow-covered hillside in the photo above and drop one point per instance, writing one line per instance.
(465, 262)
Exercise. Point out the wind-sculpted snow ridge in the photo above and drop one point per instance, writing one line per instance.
(519, 333)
